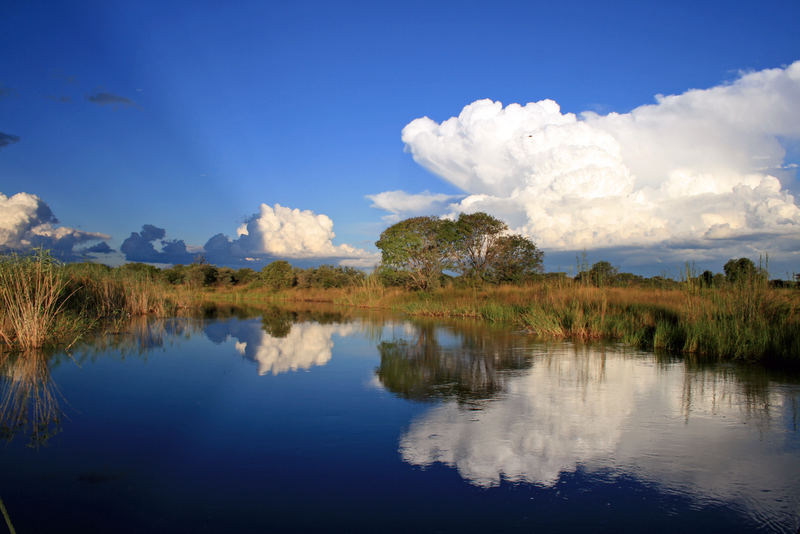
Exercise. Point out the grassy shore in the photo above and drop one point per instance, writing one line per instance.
(743, 321)
(45, 303)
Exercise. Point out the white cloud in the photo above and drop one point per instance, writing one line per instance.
(27, 222)
(295, 233)
(698, 167)
(402, 204)
(281, 232)
(612, 413)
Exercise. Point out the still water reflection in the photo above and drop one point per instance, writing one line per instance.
(242, 421)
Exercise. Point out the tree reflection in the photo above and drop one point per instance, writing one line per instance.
(715, 433)
(474, 368)
(29, 400)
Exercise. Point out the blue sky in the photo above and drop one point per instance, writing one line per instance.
(190, 116)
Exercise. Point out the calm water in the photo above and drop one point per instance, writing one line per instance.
(298, 422)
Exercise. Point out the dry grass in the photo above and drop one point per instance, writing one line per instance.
(747, 320)
(32, 298)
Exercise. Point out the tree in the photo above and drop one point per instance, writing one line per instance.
(478, 235)
(422, 246)
(601, 273)
(477, 245)
(739, 270)
(515, 259)
(278, 275)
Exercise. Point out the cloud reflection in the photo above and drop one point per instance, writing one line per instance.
(282, 348)
(701, 432)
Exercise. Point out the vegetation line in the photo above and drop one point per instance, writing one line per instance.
(469, 267)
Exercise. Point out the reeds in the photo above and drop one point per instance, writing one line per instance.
(743, 321)
(43, 302)
(32, 297)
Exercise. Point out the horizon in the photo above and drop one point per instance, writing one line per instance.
(642, 135)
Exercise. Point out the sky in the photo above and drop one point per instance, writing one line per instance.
(645, 134)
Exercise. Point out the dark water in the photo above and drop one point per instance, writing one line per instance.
(299, 422)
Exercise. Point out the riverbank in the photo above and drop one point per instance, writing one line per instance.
(747, 321)
(43, 303)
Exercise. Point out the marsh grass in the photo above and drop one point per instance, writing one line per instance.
(45, 303)
(747, 320)
(32, 294)
(743, 321)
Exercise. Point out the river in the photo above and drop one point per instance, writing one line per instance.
(315, 421)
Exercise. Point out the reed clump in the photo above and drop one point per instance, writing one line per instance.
(47, 303)
(32, 295)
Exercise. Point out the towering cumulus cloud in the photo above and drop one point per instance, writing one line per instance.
(698, 170)
(26, 222)
(281, 232)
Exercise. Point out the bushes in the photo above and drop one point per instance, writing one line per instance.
(328, 276)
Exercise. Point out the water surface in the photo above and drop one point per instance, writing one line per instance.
(313, 421)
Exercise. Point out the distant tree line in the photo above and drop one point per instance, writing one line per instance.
(736, 272)
(428, 252)
(277, 275)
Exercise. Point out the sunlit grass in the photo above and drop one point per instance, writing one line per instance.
(32, 297)
(43, 302)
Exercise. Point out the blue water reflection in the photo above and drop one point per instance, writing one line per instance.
(311, 421)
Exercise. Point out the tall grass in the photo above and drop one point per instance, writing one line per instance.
(43, 302)
(747, 320)
(32, 296)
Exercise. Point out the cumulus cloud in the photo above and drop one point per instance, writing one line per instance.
(697, 168)
(609, 412)
(7, 139)
(27, 222)
(402, 204)
(110, 99)
(281, 232)
(139, 246)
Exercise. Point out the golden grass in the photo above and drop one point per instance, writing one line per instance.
(31, 294)
(748, 320)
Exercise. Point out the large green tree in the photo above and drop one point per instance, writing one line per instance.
(516, 259)
(421, 246)
(477, 244)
